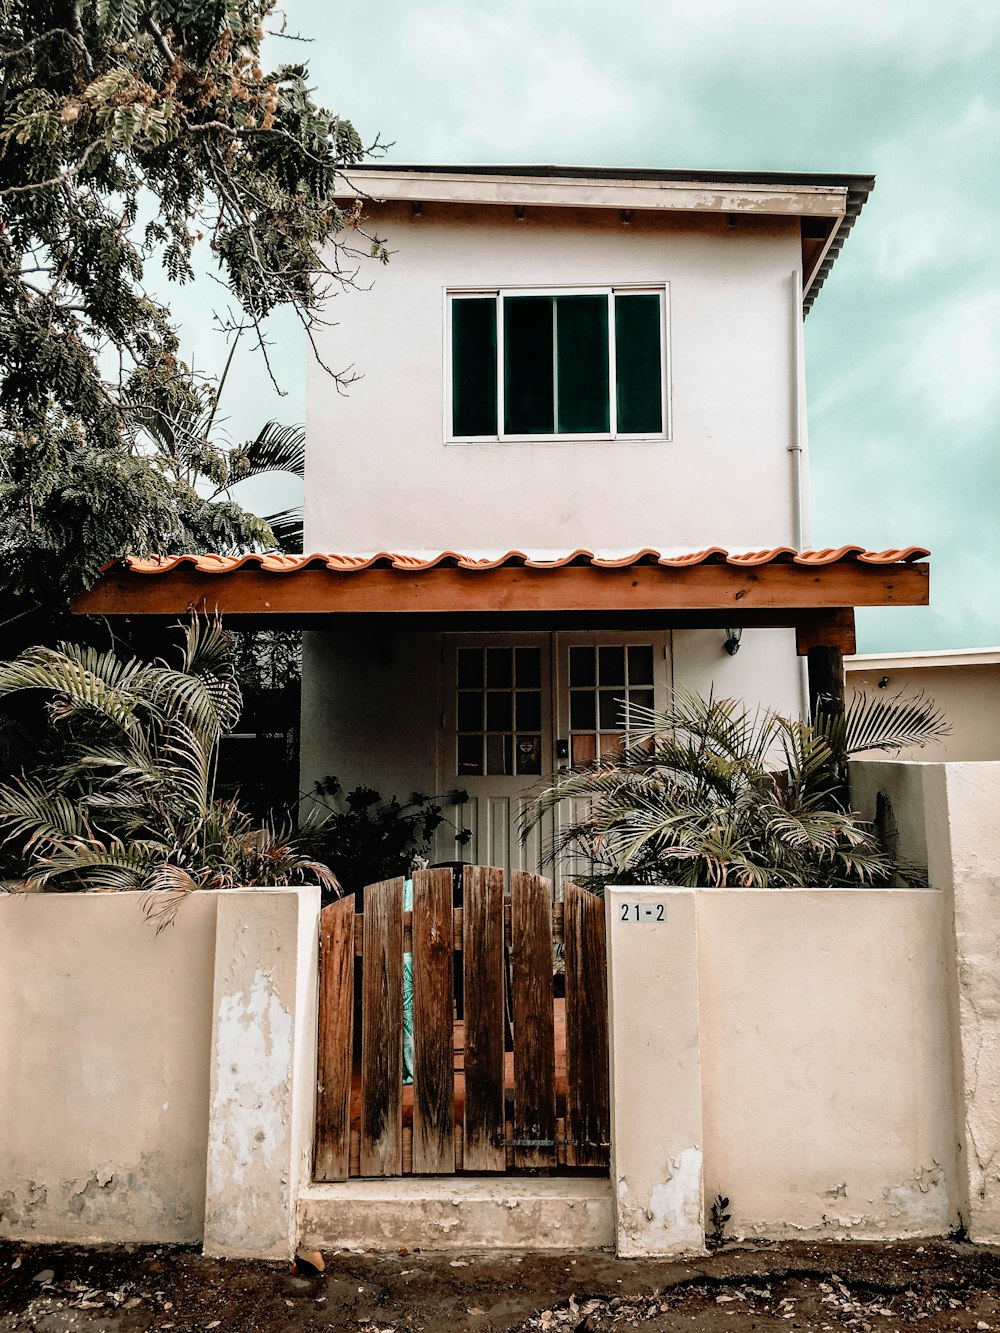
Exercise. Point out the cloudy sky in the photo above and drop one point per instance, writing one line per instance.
(903, 344)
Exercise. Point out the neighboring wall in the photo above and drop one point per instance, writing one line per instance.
(965, 685)
(379, 474)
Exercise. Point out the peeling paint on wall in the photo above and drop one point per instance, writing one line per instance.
(251, 1107)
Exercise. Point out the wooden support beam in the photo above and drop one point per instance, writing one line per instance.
(831, 631)
(728, 588)
(826, 681)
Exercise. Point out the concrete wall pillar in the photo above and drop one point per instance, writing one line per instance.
(963, 856)
(657, 1173)
(263, 1070)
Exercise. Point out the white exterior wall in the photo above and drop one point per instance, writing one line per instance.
(379, 475)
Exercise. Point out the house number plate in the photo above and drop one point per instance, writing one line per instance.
(642, 912)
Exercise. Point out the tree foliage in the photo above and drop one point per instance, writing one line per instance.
(132, 129)
(709, 792)
(125, 798)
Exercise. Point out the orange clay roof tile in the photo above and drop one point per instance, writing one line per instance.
(346, 563)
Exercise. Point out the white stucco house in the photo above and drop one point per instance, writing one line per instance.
(572, 468)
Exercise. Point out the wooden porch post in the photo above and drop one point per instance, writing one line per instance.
(826, 681)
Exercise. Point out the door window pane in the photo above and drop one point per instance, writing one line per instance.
(474, 365)
(499, 755)
(529, 355)
(528, 705)
(583, 406)
(499, 668)
(611, 665)
(598, 709)
(640, 664)
(499, 711)
(582, 711)
(612, 710)
(498, 722)
(528, 668)
(529, 755)
(470, 755)
(639, 360)
(581, 666)
(470, 710)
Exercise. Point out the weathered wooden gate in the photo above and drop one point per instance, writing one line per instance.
(473, 1106)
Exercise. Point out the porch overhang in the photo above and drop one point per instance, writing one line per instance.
(814, 592)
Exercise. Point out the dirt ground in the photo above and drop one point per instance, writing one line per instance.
(933, 1285)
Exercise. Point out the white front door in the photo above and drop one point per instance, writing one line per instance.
(495, 746)
(518, 707)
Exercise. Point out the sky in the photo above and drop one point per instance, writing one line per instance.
(903, 344)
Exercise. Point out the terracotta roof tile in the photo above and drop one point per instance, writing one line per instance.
(348, 563)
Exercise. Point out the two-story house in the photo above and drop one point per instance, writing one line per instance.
(571, 472)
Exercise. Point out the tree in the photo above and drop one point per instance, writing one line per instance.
(124, 797)
(131, 129)
(709, 792)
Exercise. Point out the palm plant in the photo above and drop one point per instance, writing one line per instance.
(708, 792)
(126, 799)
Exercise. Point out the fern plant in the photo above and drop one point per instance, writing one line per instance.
(710, 793)
(126, 799)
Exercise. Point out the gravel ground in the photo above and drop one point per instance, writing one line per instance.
(933, 1285)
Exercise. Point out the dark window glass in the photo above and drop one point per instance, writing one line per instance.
(611, 662)
(612, 709)
(582, 364)
(499, 713)
(474, 365)
(499, 754)
(638, 363)
(643, 698)
(470, 754)
(470, 668)
(529, 389)
(640, 665)
(581, 666)
(528, 707)
(528, 668)
(499, 669)
(528, 757)
(470, 710)
(582, 716)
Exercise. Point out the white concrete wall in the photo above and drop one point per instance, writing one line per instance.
(157, 1087)
(104, 1068)
(764, 672)
(826, 1057)
(370, 708)
(379, 474)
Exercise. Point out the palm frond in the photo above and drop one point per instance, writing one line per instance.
(277, 448)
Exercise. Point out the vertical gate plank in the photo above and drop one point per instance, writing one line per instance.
(482, 944)
(534, 1018)
(433, 1024)
(382, 1030)
(336, 1040)
(588, 1113)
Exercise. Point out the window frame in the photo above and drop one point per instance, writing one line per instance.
(660, 289)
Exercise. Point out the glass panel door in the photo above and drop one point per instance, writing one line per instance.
(495, 747)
